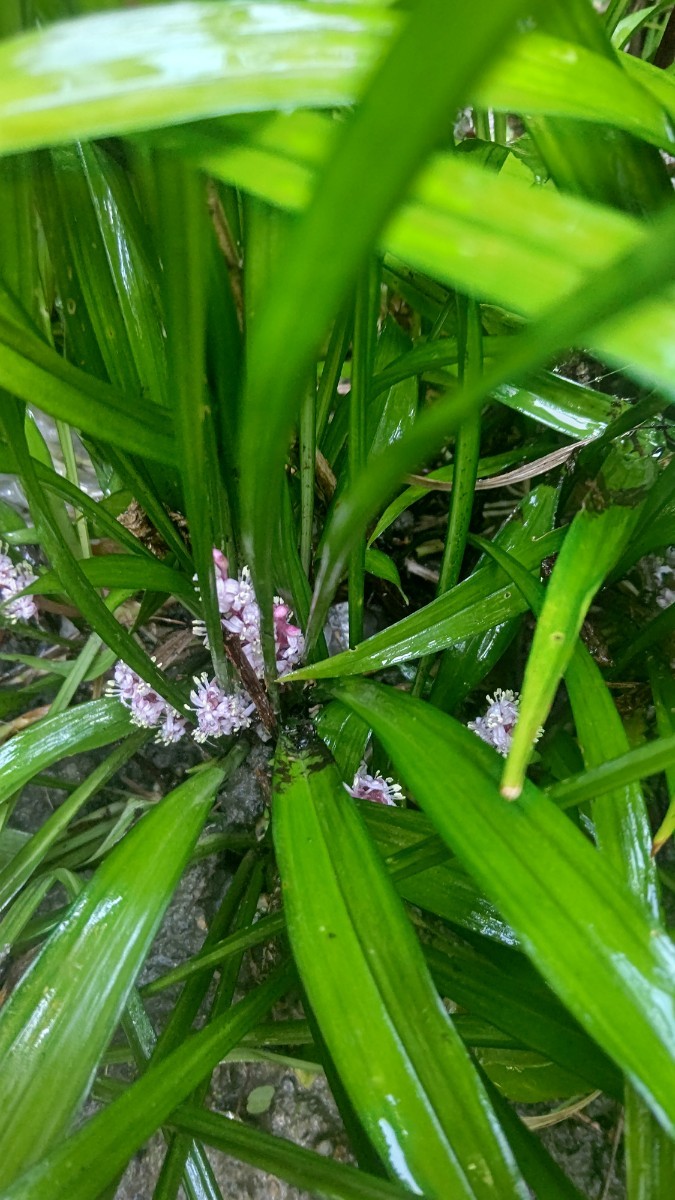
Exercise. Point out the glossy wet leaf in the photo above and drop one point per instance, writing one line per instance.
(545, 878)
(92, 1158)
(124, 72)
(408, 1077)
(484, 233)
(474, 605)
(609, 509)
(441, 49)
(58, 1021)
(298, 1166)
(85, 727)
(444, 889)
(126, 571)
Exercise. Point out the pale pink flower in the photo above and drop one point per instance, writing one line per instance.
(123, 683)
(147, 709)
(374, 787)
(219, 714)
(240, 616)
(13, 579)
(7, 570)
(497, 725)
(288, 640)
(172, 728)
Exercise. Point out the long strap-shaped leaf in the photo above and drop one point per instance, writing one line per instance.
(84, 1164)
(58, 1022)
(123, 72)
(441, 48)
(610, 509)
(589, 938)
(479, 602)
(85, 727)
(399, 1057)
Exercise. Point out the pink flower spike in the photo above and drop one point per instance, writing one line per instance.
(13, 579)
(497, 725)
(147, 708)
(374, 788)
(219, 714)
(172, 728)
(123, 684)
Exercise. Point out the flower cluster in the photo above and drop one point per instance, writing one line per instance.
(374, 787)
(240, 615)
(219, 715)
(13, 579)
(216, 712)
(147, 709)
(497, 726)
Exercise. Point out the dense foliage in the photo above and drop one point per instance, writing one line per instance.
(353, 324)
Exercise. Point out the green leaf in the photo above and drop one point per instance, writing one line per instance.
(440, 50)
(398, 1056)
(346, 736)
(75, 583)
(615, 973)
(86, 1162)
(300, 1167)
(478, 603)
(125, 71)
(640, 763)
(489, 235)
(493, 464)
(527, 1078)
(663, 692)
(545, 75)
(130, 572)
(59, 1020)
(183, 238)
(85, 727)
(30, 368)
(19, 869)
(608, 511)
(444, 889)
(512, 998)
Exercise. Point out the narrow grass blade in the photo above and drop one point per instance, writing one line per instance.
(476, 604)
(131, 572)
(30, 368)
(415, 1091)
(57, 1023)
(640, 763)
(545, 878)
